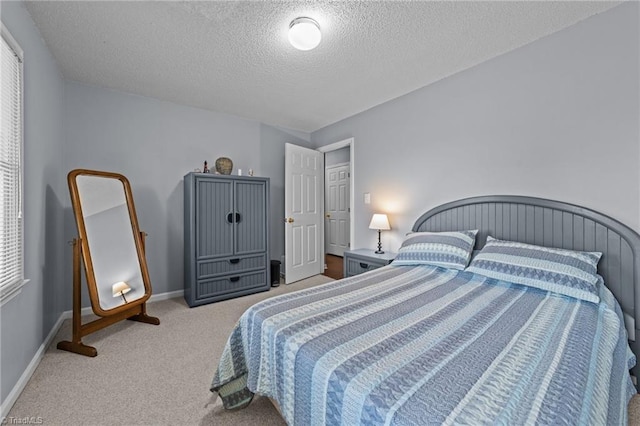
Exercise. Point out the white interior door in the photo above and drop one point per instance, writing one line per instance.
(336, 209)
(303, 187)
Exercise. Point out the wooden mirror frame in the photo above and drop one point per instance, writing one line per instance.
(134, 310)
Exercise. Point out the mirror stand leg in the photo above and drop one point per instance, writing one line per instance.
(143, 317)
(76, 345)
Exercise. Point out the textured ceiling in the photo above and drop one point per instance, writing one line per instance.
(234, 57)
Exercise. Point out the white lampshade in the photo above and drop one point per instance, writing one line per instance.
(120, 288)
(380, 222)
(304, 33)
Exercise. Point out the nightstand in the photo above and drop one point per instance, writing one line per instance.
(363, 260)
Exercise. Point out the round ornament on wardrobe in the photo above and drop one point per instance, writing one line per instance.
(224, 165)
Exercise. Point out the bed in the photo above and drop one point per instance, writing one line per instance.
(456, 341)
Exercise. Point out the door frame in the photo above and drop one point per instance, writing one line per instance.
(350, 142)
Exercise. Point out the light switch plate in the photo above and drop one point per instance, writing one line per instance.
(367, 198)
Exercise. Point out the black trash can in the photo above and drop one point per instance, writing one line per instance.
(275, 273)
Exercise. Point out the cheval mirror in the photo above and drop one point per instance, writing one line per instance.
(111, 247)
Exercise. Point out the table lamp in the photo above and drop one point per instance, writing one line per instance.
(380, 222)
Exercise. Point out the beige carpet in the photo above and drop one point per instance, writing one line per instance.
(634, 410)
(153, 375)
(145, 374)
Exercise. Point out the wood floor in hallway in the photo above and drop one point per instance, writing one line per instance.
(334, 267)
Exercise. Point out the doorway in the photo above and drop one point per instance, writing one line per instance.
(338, 205)
(336, 208)
(305, 253)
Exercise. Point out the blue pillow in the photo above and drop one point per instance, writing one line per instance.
(567, 272)
(450, 250)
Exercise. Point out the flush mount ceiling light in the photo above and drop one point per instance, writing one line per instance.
(304, 33)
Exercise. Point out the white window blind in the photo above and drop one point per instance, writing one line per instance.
(11, 254)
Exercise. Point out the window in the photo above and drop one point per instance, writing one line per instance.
(11, 254)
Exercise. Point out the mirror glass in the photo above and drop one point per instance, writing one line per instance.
(111, 239)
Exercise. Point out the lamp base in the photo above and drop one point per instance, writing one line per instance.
(379, 251)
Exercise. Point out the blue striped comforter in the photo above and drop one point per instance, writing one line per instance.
(416, 345)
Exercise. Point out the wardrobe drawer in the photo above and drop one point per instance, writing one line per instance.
(210, 268)
(217, 287)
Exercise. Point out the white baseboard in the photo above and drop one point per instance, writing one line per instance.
(35, 361)
(166, 296)
(28, 372)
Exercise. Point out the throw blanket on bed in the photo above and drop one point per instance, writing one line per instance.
(424, 345)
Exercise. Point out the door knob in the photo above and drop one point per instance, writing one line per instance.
(328, 215)
(288, 220)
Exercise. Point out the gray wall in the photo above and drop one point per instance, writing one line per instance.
(26, 320)
(154, 144)
(558, 118)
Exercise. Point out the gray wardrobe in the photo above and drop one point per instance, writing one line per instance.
(226, 237)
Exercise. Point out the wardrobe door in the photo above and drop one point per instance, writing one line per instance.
(214, 218)
(251, 218)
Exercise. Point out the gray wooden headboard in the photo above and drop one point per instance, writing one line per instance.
(553, 224)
